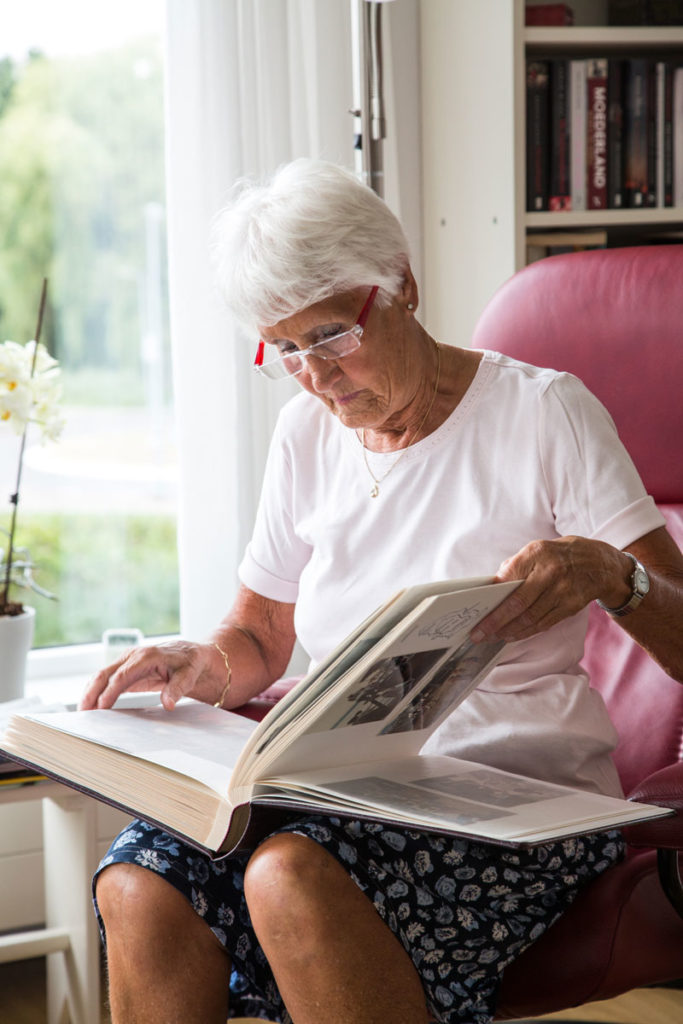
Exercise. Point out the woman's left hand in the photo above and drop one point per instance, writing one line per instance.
(560, 577)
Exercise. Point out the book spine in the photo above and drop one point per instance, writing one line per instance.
(537, 141)
(659, 131)
(677, 118)
(667, 144)
(615, 134)
(596, 139)
(663, 134)
(651, 195)
(577, 133)
(626, 12)
(549, 14)
(560, 189)
(636, 117)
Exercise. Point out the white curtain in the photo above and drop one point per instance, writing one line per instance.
(250, 84)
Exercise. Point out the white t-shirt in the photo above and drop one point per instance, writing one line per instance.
(528, 454)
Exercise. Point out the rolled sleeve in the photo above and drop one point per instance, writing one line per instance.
(640, 517)
(264, 582)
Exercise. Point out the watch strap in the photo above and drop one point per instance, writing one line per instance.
(637, 592)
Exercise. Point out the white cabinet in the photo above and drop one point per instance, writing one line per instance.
(22, 894)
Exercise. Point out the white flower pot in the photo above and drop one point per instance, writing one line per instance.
(16, 638)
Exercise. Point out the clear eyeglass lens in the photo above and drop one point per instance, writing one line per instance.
(291, 363)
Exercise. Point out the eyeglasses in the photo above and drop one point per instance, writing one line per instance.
(339, 345)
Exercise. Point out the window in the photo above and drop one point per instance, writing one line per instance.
(82, 203)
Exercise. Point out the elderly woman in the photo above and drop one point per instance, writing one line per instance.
(401, 460)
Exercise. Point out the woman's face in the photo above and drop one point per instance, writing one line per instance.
(372, 384)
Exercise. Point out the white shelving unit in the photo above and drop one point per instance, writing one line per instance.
(473, 102)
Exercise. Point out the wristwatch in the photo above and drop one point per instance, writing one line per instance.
(640, 585)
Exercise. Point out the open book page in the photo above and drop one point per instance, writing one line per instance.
(457, 796)
(195, 739)
(180, 781)
(396, 695)
(369, 632)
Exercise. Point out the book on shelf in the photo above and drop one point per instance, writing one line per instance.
(540, 244)
(560, 114)
(537, 134)
(645, 12)
(636, 177)
(651, 199)
(665, 153)
(559, 15)
(677, 121)
(577, 133)
(596, 128)
(346, 740)
(615, 134)
(604, 133)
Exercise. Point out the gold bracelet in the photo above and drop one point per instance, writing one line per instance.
(219, 703)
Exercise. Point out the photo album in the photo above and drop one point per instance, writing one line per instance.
(346, 740)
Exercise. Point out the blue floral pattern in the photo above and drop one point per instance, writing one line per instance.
(462, 910)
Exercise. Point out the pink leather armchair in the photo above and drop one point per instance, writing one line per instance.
(614, 318)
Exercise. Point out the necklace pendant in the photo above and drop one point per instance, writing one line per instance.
(374, 492)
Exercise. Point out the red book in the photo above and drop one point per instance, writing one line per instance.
(549, 14)
(596, 137)
(537, 134)
(560, 187)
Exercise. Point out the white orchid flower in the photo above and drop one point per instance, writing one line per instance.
(28, 393)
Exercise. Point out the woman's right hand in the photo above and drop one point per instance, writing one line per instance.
(177, 669)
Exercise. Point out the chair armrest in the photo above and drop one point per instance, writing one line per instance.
(259, 706)
(665, 789)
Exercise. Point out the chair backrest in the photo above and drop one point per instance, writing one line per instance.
(614, 318)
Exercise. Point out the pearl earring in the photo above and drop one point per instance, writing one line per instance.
(411, 305)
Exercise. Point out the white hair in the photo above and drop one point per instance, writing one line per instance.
(312, 231)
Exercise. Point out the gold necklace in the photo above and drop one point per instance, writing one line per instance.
(378, 480)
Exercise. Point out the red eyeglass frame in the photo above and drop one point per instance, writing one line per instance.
(360, 322)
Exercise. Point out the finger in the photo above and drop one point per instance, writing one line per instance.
(172, 669)
(141, 669)
(134, 676)
(97, 685)
(538, 618)
(180, 684)
(547, 594)
(519, 610)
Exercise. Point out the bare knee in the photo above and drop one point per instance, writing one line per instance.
(289, 883)
(120, 888)
(164, 961)
(284, 861)
(134, 899)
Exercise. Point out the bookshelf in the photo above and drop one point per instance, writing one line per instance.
(474, 146)
(599, 41)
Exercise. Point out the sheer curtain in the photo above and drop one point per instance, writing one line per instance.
(250, 85)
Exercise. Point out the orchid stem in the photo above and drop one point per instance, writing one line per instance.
(14, 498)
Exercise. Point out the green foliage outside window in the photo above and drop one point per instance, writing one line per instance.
(116, 569)
(81, 159)
(81, 203)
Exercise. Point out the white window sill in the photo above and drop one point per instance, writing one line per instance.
(60, 674)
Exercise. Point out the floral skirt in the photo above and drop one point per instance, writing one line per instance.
(462, 910)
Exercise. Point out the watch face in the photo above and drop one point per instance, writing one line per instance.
(641, 581)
